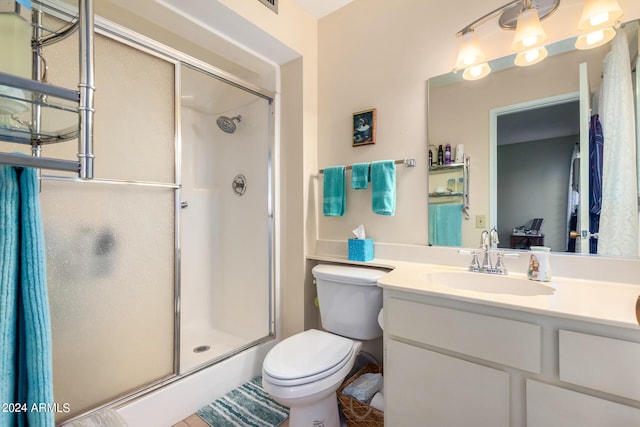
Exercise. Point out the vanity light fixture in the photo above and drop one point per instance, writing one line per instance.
(476, 72)
(529, 37)
(471, 58)
(470, 53)
(524, 17)
(599, 14)
(598, 19)
(529, 31)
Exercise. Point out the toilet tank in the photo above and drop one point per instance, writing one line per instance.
(349, 300)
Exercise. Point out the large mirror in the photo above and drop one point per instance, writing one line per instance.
(521, 129)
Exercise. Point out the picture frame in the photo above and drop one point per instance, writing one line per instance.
(364, 127)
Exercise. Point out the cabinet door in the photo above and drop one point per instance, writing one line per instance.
(549, 405)
(425, 388)
(600, 363)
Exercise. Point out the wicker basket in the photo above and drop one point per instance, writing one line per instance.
(356, 412)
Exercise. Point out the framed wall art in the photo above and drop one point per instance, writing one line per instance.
(364, 127)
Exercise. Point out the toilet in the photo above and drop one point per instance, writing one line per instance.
(304, 371)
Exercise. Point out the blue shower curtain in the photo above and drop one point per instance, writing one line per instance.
(26, 385)
(596, 147)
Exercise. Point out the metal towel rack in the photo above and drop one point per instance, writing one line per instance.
(407, 162)
(43, 95)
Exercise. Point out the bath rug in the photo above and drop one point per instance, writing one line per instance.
(102, 418)
(246, 406)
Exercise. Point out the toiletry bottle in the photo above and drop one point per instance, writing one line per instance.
(430, 157)
(447, 154)
(440, 155)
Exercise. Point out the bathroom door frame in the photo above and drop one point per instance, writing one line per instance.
(494, 113)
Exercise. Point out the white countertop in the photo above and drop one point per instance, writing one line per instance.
(607, 303)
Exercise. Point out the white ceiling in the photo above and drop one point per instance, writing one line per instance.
(554, 121)
(320, 8)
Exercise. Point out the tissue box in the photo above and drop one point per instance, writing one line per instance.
(360, 249)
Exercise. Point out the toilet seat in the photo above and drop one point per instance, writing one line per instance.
(307, 357)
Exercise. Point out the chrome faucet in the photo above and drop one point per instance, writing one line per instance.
(489, 243)
(485, 245)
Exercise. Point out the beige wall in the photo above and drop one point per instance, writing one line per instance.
(376, 53)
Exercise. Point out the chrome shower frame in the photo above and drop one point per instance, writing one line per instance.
(125, 36)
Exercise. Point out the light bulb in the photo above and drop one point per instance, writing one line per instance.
(470, 51)
(595, 37)
(529, 31)
(599, 14)
(529, 41)
(475, 71)
(469, 60)
(599, 19)
(531, 55)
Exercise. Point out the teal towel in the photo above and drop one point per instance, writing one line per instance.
(360, 176)
(445, 224)
(383, 187)
(25, 326)
(334, 191)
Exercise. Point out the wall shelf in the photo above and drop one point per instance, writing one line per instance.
(460, 170)
(69, 113)
(447, 194)
(53, 100)
(445, 168)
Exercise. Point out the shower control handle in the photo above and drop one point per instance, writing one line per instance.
(239, 184)
(184, 205)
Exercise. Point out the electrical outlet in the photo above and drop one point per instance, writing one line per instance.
(481, 221)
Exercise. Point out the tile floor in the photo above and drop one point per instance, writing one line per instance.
(195, 421)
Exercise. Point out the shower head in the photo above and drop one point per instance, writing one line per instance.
(227, 124)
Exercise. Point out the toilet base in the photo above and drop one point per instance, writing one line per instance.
(323, 413)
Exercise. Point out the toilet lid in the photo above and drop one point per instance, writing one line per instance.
(348, 274)
(307, 356)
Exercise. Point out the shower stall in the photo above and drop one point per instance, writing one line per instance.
(161, 265)
(225, 218)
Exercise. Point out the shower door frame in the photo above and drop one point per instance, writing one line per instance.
(177, 58)
(227, 78)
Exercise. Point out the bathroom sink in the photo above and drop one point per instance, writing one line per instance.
(488, 283)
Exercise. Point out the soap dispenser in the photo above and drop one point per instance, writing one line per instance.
(539, 264)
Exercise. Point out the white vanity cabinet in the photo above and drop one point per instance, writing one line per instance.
(455, 363)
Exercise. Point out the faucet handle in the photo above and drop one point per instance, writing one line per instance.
(500, 268)
(475, 264)
(493, 238)
(484, 240)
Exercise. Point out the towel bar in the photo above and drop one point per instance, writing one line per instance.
(407, 162)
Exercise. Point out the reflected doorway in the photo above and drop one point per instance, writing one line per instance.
(537, 175)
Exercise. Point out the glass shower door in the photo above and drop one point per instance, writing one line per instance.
(225, 224)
